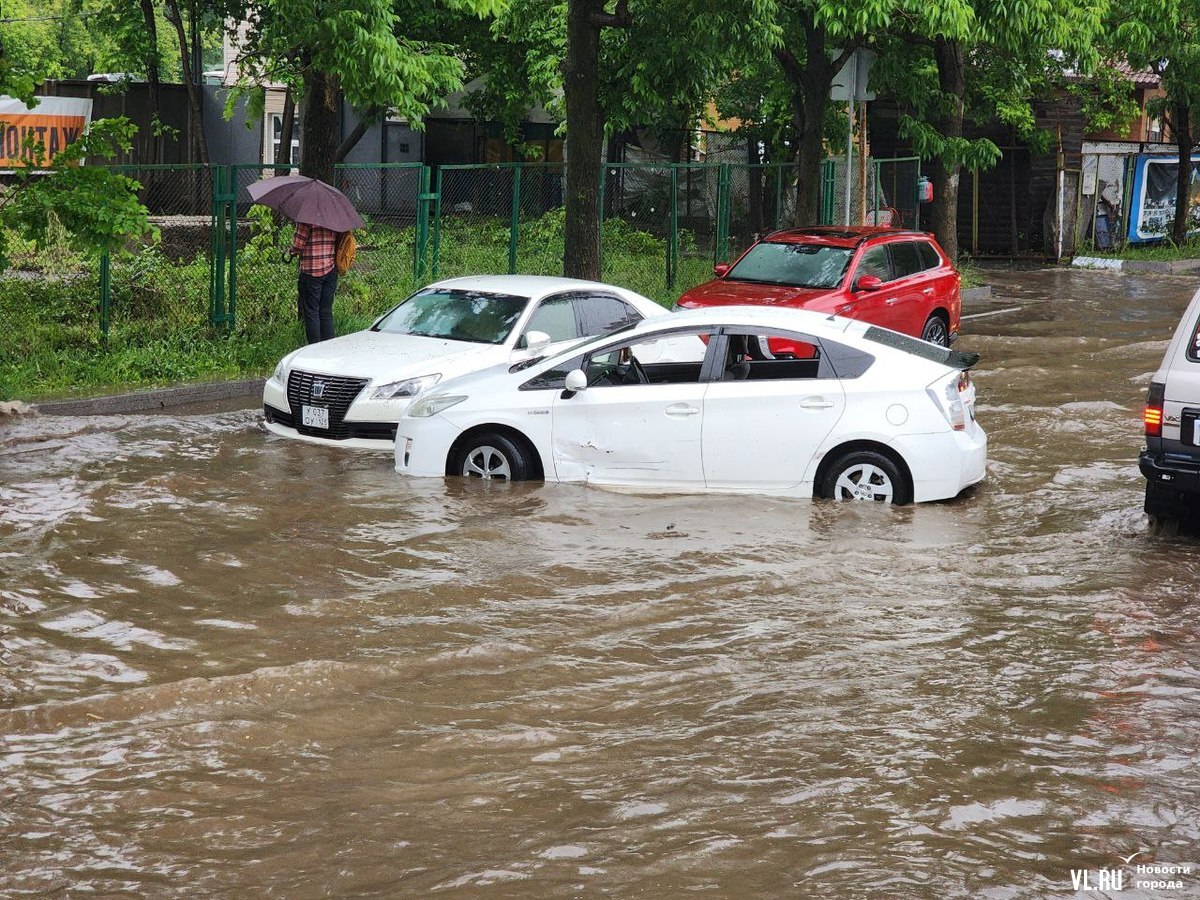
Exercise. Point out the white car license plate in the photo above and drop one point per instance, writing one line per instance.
(1196, 431)
(314, 416)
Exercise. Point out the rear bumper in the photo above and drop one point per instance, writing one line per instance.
(944, 465)
(1172, 487)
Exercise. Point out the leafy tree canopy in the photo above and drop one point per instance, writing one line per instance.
(665, 67)
(1010, 53)
(383, 54)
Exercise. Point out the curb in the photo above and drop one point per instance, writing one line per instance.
(152, 400)
(1176, 267)
(1138, 266)
(1098, 262)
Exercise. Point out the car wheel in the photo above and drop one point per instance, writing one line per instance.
(493, 456)
(865, 475)
(935, 331)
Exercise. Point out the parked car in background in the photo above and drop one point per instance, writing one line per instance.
(352, 390)
(861, 413)
(1171, 458)
(900, 280)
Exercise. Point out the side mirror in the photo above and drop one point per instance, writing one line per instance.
(868, 283)
(720, 269)
(536, 340)
(576, 381)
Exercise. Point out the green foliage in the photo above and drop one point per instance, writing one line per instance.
(1011, 53)
(1165, 250)
(1164, 36)
(1106, 99)
(929, 143)
(376, 49)
(98, 208)
(665, 67)
(50, 341)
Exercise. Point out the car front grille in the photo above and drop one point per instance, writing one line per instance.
(337, 393)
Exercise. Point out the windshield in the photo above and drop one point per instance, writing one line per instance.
(796, 265)
(455, 315)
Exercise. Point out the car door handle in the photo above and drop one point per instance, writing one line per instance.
(890, 301)
(816, 403)
(679, 410)
(926, 291)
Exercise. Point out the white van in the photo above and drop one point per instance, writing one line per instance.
(1171, 458)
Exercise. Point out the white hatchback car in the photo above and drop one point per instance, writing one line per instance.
(777, 401)
(352, 390)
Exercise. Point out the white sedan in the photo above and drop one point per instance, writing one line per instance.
(776, 401)
(352, 390)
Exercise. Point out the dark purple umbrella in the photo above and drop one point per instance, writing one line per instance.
(304, 199)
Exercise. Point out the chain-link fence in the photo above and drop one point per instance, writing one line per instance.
(479, 214)
(142, 308)
(260, 287)
(216, 274)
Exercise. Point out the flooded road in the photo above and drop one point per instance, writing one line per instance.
(235, 666)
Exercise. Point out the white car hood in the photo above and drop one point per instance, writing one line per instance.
(384, 357)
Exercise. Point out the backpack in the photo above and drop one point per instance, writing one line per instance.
(345, 251)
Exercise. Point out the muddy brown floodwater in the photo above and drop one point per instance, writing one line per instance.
(234, 666)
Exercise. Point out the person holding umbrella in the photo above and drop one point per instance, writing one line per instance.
(322, 214)
(317, 248)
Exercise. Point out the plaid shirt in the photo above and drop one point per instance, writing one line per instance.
(316, 247)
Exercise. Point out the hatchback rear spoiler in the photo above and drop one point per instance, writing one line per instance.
(962, 359)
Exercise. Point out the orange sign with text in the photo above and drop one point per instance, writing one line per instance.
(53, 123)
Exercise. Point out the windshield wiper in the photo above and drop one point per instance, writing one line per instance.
(776, 283)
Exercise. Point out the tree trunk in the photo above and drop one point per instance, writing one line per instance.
(810, 156)
(952, 79)
(195, 111)
(152, 79)
(1181, 127)
(319, 124)
(757, 214)
(809, 84)
(287, 127)
(585, 141)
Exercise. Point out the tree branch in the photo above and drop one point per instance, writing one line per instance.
(620, 18)
(788, 62)
(366, 120)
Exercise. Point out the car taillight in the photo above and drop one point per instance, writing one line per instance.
(953, 398)
(1152, 416)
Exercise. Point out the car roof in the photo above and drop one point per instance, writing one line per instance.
(839, 235)
(778, 317)
(523, 285)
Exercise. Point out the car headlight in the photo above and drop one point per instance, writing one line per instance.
(409, 387)
(280, 373)
(431, 406)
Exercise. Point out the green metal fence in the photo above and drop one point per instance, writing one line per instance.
(218, 267)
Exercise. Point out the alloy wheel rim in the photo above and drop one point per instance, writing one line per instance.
(487, 462)
(864, 482)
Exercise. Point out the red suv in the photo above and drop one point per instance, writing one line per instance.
(897, 279)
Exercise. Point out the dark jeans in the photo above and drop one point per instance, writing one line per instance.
(316, 305)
